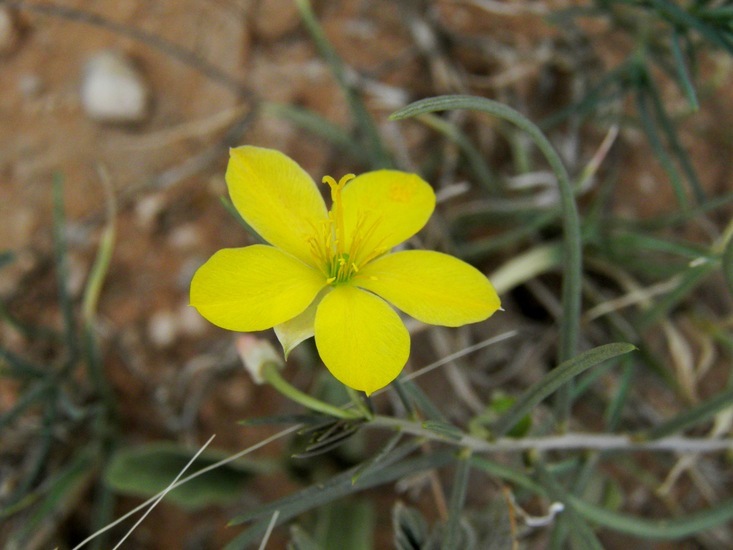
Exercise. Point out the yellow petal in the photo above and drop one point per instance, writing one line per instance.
(253, 288)
(299, 328)
(276, 197)
(360, 338)
(383, 209)
(432, 287)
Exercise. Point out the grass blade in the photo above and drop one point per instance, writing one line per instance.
(728, 264)
(693, 416)
(457, 499)
(62, 271)
(579, 531)
(660, 529)
(377, 154)
(683, 74)
(573, 255)
(554, 380)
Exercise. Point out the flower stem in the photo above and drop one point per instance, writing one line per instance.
(359, 403)
(271, 374)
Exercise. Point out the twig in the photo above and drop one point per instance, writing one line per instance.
(236, 456)
(570, 441)
(270, 527)
(163, 493)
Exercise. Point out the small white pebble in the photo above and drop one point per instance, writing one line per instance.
(185, 236)
(147, 210)
(162, 328)
(113, 90)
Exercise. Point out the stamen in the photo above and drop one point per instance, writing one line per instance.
(337, 212)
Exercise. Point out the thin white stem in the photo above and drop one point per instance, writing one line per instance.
(460, 353)
(164, 492)
(270, 528)
(186, 479)
(570, 441)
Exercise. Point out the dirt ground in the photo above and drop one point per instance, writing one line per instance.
(208, 65)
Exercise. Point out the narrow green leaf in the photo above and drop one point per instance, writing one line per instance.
(301, 540)
(348, 524)
(379, 157)
(728, 264)
(421, 400)
(670, 131)
(21, 367)
(62, 270)
(555, 379)
(381, 455)
(318, 125)
(689, 281)
(507, 473)
(99, 270)
(28, 398)
(700, 413)
(306, 419)
(59, 490)
(660, 529)
(332, 489)
(457, 500)
(688, 88)
(572, 250)
(650, 129)
(474, 158)
(410, 528)
(580, 532)
(444, 430)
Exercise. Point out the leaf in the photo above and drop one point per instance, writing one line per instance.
(60, 493)
(728, 265)
(410, 528)
(334, 488)
(554, 380)
(148, 469)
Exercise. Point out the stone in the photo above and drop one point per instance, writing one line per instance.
(113, 90)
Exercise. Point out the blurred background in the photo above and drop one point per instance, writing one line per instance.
(115, 121)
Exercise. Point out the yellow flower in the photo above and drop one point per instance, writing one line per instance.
(331, 273)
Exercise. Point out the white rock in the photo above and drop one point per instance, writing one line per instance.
(162, 328)
(113, 90)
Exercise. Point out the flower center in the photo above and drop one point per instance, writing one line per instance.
(340, 266)
(340, 255)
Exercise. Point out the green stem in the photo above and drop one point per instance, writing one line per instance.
(271, 374)
(358, 401)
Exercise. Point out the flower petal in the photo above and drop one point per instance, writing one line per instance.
(383, 209)
(253, 288)
(276, 197)
(432, 287)
(360, 338)
(299, 328)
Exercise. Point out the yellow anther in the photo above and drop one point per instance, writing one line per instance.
(354, 267)
(336, 215)
(330, 280)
